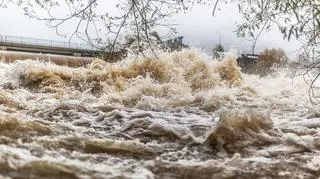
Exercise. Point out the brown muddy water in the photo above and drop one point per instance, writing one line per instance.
(183, 116)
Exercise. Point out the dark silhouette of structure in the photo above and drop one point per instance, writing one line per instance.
(248, 63)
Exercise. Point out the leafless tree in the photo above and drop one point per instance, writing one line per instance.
(294, 18)
(104, 24)
(299, 18)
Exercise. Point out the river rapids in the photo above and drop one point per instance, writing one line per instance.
(181, 116)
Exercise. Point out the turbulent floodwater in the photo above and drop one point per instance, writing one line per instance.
(183, 116)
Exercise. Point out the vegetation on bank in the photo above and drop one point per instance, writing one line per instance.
(271, 59)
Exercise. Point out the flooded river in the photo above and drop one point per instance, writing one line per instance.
(182, 116)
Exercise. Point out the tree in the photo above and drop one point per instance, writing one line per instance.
(174, 44)
(298, 18)
(217, 51)
(294, 18)
(270, 59)
(92, 18)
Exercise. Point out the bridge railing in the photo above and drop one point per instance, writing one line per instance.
(43, 42)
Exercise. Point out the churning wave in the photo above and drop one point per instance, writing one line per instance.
(183, 115)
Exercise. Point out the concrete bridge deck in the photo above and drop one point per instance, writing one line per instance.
(23, 44)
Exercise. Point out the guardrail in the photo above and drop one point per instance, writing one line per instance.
(45, 43)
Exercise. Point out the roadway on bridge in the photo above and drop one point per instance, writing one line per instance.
(23, 44)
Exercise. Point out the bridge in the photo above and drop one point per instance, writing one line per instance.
(34, 45)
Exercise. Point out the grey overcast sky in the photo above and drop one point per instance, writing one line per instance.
(199, 28)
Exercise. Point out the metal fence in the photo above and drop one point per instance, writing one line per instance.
(46, 43)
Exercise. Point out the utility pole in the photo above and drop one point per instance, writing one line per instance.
(219, 37)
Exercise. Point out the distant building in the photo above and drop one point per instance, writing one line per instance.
(248, 63)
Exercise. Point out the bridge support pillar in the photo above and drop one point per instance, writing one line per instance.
(2, 54)
(4, 48)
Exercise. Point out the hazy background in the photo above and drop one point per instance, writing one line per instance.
(199, 28)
